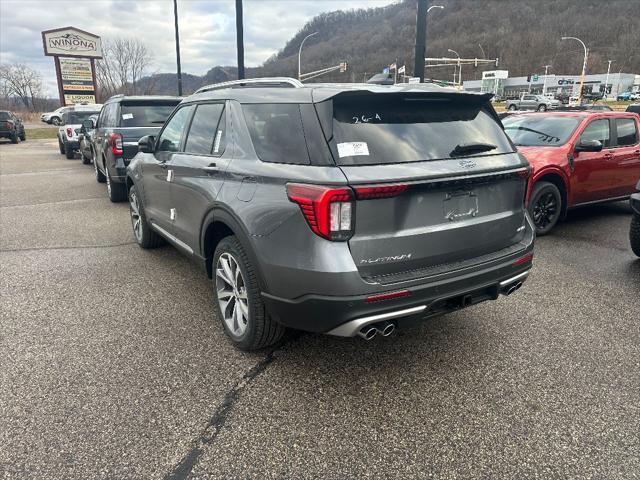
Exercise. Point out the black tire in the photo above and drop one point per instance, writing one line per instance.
(542, 108)
(15, 138)
(117, 192)
(100, 178)
(145, 236)
(83, 157)
(60, 146)
(512, 108)
(545, 207)
(55, 121)
(69, 152)
(261, 330)
(23, 137)
(634, 234)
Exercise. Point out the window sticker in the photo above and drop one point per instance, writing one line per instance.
(352, 149)
(127, 116)
(216, 143)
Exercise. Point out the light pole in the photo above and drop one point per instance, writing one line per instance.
(544, 84)
(434, 6)
(584, 65)
(300, 51)
(421, 38)
(459, 68)
(606, 82)
(179, 68)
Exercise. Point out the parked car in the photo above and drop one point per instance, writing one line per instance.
(69, 130)
(625, 96)
(634, 108)
(122, 122)
(539, 103)
(11, 127)
(588, 106)
(634, 232)
(578, 158)
(85, 138)
(55, 117)
(562, 97)
(310, 208)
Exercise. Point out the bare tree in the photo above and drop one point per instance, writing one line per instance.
(21, 81)
(124, 63)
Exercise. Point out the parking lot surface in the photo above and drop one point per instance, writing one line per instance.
(113, 364)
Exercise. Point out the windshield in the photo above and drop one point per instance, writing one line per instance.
(540, 131)
(146, 115)
(77, 117)
(397, 128)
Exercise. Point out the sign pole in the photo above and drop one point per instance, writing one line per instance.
(56, 61)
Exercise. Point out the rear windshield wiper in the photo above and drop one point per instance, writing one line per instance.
(464, 148)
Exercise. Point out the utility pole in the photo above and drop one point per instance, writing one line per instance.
(421, 40)
(240, 39)
(544, 84)
(606, 82)
(175, 17)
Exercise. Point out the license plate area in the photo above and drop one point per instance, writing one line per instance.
(460, 205)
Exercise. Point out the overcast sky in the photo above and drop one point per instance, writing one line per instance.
(207, 28)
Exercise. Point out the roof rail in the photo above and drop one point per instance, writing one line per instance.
(118, 95)
(281, 82)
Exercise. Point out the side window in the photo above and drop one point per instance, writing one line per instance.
(102, 116)
(597, 130)
(171, 136)
(276, 132)
(627, 133)
(205, 133)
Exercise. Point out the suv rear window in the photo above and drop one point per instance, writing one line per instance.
(276, 132)
(135, 114)
(398, 129)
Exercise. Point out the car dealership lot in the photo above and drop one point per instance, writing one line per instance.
(113, 365)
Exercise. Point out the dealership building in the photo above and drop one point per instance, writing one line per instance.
(499, 83)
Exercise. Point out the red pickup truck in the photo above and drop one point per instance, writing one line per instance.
(577, 158)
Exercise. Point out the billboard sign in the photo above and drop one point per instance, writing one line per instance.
(74, 52)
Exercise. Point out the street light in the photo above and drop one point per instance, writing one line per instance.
(434, 6)
(300, 51)
(584, 65)
(459, 67)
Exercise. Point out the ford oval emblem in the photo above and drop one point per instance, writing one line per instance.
(467, 163)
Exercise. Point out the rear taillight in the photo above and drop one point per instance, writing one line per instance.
(328, 211)
(382, 191)
(69, 132)
(522, 260)
(115, 141)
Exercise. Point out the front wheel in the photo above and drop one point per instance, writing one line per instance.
(545, 207)
(239, 301)
(55, 121)
(542, 108)
(634, 234)
(145, 237)
(512, 108)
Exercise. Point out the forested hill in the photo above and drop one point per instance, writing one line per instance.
(523, 34)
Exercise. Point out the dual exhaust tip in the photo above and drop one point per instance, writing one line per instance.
(512, 288)
(383, 328)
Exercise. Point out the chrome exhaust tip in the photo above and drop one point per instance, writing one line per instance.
(368, 332)
(513, 288)
(387, 329)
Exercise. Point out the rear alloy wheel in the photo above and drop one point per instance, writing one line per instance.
(634, 234)
(100, 178)
(145, 237)
(239, 301)
(542, 108)
(116, 191)
(545, 207)
(512, 108)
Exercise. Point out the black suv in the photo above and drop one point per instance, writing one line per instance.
(343, 209)
(122, 121)
(11, 127)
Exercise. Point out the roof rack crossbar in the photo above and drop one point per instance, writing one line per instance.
(276, 82)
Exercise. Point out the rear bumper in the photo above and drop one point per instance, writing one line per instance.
(635, 203)
(6, 133)
(345, 316)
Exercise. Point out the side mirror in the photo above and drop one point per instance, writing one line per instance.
(147, 144)
(589, 146)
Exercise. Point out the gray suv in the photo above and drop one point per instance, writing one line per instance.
(342, 209)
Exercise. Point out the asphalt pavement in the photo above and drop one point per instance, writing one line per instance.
(114, 365)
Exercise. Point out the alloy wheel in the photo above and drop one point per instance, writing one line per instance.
(136, 221)
(545, 210)
(232, 294)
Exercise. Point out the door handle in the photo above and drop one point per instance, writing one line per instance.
(211, 168)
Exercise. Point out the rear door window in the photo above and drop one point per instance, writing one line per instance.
(597, 130)
(627, 133)
(276, 132)
(139, 114)
(205, 133)
(368, 130)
